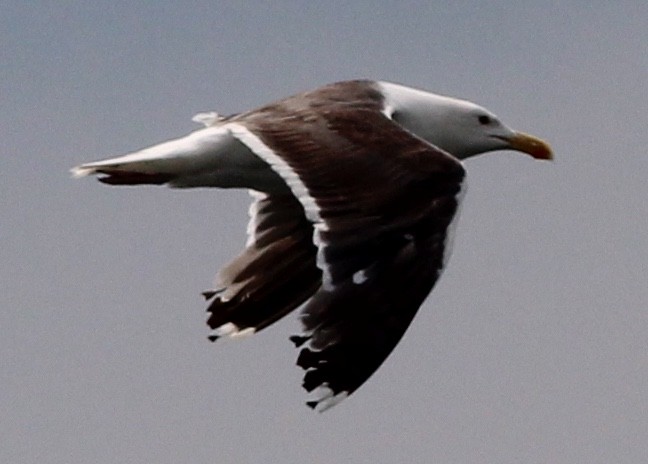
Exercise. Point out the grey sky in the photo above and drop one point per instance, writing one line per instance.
(533, 347)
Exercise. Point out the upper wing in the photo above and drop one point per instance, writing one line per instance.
(272, 276)
(381, 201)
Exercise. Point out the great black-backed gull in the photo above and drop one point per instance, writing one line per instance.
(356, 188)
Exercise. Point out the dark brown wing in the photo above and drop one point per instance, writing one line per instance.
(274, 274)
(381, 201)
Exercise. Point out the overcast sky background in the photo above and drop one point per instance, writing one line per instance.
(533, 348)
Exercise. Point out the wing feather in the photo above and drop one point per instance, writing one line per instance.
(274, 274)
(381, 201)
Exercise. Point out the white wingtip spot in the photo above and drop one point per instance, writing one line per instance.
(231, 330)
(243, 333)
(360, 277)
(327, 399)
(224, 330)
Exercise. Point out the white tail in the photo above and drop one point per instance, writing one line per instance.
(198, 150)
(209, 157)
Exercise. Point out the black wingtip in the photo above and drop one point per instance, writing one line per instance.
(308, 359)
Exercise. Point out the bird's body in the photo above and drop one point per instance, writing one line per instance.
(356, 186)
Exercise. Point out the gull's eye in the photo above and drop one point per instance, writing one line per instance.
(484, 120)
